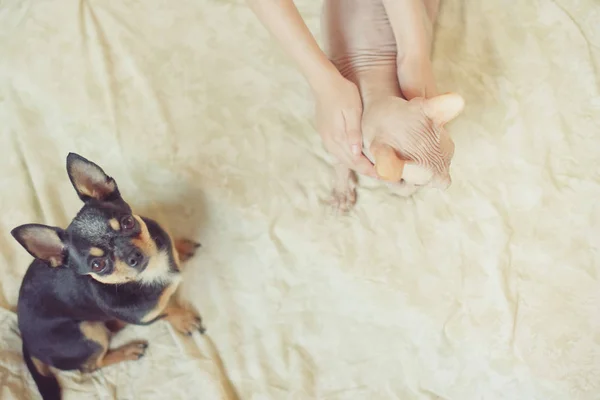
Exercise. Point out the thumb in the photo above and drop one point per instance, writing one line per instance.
(353, 131)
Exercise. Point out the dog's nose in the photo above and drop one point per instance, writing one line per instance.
(135, 258)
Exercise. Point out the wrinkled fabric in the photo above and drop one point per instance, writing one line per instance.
(489, 290)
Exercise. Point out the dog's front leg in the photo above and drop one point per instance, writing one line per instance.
(183, 320)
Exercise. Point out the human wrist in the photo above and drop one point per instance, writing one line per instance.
(322, 76)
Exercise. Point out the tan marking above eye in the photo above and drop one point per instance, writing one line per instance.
(114, 224)
(96, 252)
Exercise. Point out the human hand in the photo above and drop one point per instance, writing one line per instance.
(338, 120)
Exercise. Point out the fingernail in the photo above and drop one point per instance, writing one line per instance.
(355, 149)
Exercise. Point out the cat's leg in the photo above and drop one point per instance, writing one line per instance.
(343, 196)
(412, 24)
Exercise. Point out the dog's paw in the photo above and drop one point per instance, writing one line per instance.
(186, 249)
(133, 350)
(186, 322)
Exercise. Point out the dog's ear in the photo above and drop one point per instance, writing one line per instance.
(90, 181)
(42, 242)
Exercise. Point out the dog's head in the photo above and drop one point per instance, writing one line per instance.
(106, 240)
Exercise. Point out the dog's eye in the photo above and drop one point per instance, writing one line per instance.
(127, 223)
(99, 264)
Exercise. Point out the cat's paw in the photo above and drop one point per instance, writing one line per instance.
(343, 196)
(342, 201)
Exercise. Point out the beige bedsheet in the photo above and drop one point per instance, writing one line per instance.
(487, 291)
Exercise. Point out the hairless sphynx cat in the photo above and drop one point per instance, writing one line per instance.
(384, 47)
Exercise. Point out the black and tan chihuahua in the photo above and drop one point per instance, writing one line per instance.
(109, 268)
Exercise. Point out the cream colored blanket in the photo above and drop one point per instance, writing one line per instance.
(490, 290)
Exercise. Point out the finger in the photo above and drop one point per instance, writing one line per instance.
(340, 153)
(337, 150)
(363, 166)
(353, 131)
